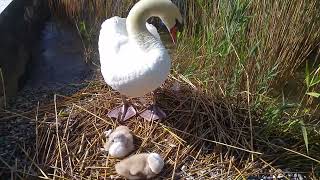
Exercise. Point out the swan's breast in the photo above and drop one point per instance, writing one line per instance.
(133, 71)
(138, 73)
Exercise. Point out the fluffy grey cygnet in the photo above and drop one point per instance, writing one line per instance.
(120, 142)
(140, 166)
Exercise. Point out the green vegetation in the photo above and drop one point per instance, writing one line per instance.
(258, 52)
(251, 49)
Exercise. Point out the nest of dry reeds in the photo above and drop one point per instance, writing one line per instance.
(200, 137)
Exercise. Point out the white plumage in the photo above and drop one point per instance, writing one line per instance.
(131, 69)
(133, 59)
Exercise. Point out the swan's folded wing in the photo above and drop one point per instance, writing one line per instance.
(113, 35)
(153, 30)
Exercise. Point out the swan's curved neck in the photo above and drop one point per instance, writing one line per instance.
(136, 24)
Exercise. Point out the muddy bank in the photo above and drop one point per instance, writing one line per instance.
(58, 67)
(20, 25)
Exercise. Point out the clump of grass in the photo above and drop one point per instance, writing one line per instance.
(240, 43)
(90, 11)
(247, 49)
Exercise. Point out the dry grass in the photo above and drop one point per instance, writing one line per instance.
(202, 137)
(234, 44)
(93, 10)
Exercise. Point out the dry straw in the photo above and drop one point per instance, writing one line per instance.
(199, 138)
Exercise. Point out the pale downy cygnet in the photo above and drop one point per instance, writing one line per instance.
(140, 166)
(120, 142)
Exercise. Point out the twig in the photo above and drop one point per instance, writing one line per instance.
(175, 163)
(57, 130)
(208, 140)
(42, 172)
(4, 89)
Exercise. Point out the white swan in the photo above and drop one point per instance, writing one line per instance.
(133, 59)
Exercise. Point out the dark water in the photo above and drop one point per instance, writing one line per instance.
(58, 60)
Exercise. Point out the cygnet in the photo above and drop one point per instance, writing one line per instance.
(119, 142)
(140, 166)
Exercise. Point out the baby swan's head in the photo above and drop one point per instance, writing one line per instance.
(120, 142)
(140, 166)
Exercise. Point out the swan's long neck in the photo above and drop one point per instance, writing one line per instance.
(136, 24)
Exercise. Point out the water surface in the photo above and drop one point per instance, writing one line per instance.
(58, 60)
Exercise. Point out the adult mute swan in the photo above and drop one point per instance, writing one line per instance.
(133, 59)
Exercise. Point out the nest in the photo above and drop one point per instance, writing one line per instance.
(202, 137)
(199, 138)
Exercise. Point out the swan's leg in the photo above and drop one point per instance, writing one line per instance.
(153, 112)
(124, 112)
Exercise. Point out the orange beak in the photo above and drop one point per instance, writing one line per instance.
(174, 30)
(173, 33)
